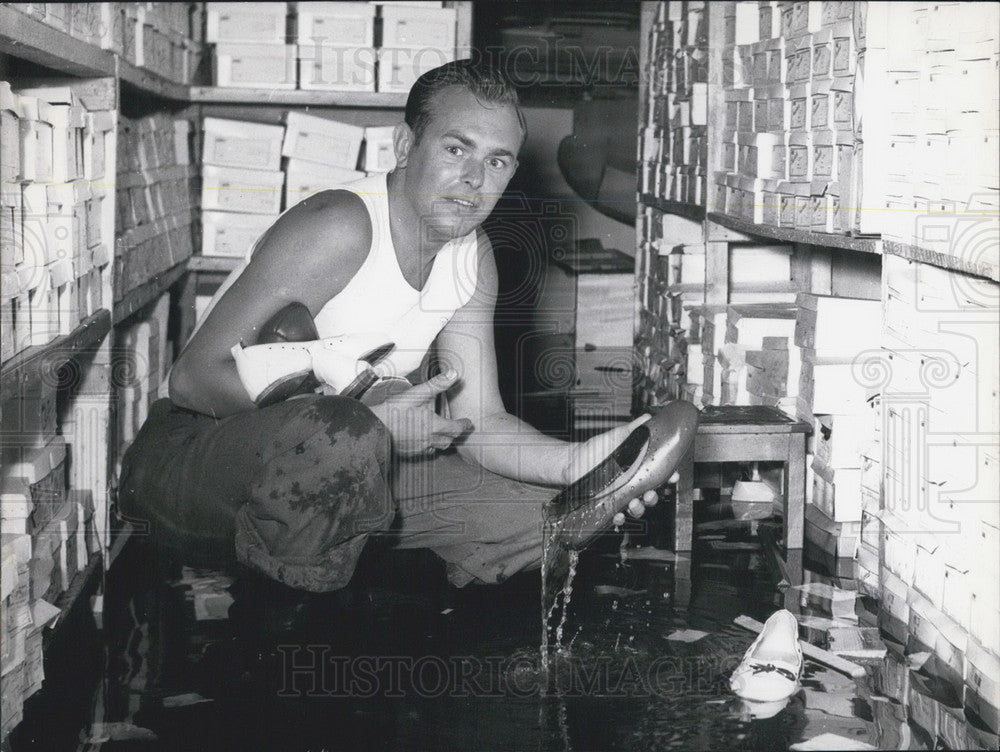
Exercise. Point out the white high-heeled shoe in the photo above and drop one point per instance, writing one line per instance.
(271, 373)
(275, 371)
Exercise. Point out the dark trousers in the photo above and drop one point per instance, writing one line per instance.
(295, 489)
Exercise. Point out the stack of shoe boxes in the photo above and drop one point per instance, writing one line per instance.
(163, 38)
(250, 48)
(243, 178)
(414, 41)
(156, 196)
(939, 516)
(932, 123)
(241, 183)
(834, 340)
(789, 122)
(322, 153)
(328, 46)
(142, 357)
(673, 145)
(335, 45)
(670, 274)
(55, 236)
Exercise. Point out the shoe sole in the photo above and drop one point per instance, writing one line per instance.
(644, 460)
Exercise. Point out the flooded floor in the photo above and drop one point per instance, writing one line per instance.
(647, 652)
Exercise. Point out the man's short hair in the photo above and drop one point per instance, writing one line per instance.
(488, 84)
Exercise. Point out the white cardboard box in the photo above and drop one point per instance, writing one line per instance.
(379, 155)
(36, 139)
(327, 68)
(419, 28)
(232, 234)
(399, 68)
(303, 179)
(348, 24)
(10, 156)
(245, 22)
(255, 65)
(237, 190)
(837, 326)
(236, 143)
(317, 139)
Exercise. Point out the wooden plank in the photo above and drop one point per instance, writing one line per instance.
(730, 416)
(722, 447)
(463, 27)
(819, 655)
(795, 492)
(152, 83)
(980, 268)
(717, 272)
(274, 113)
(801, 263)
(716, 106)
(29, 39)
(93, 93)
(144, 294)
(715, 231)
(820, 271)
(680, 208)
(29, 363)
(792, 235)
(297, 97)
(684, 512)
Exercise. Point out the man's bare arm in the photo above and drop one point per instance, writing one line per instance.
(499, 441)
(308, 256)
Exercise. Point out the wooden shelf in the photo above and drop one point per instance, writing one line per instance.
(146, 293)
(29, 363)
(297, 97)
(213, 264)
(792, 235)
(945, 261)
(28, 38)
(691, 211)
(152, 83)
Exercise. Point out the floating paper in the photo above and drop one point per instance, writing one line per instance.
(649, 554)
(619, 592)
(183, 700)
(117, 731)
(212, 606)
(831, 704)
(687, 635)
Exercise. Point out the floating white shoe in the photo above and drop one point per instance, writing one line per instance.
(770, 670)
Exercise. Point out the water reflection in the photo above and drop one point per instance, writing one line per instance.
(647, 650)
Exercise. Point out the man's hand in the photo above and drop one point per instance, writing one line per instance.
(414, 426)
(586, 455)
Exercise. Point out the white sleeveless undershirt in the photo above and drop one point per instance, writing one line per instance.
(378, 299)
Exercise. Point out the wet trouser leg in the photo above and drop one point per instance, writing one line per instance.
(297, 486)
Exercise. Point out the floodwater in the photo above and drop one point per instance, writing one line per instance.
(643, 663)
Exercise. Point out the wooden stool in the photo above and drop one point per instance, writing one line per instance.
(737, 433)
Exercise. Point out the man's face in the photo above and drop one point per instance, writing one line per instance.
(457, 170)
